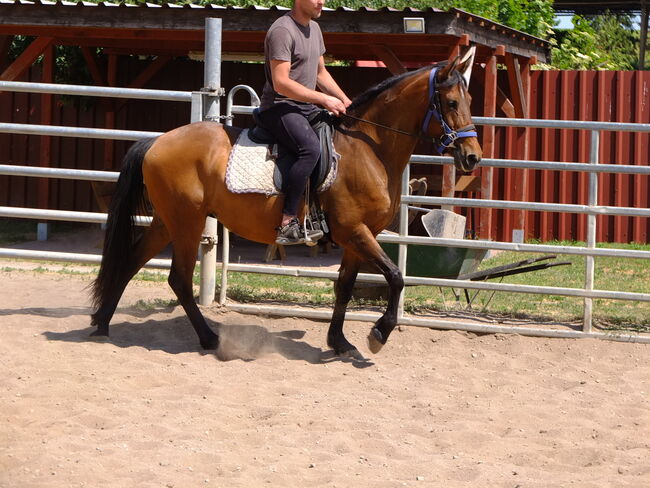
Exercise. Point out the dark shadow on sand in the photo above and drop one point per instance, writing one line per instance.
(246, 342)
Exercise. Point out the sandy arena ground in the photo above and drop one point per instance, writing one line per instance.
(148, 408)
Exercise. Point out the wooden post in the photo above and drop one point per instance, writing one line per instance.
(518, 78)
(489, 110)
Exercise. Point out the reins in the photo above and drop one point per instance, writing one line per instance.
(433, 111)
(392, 129)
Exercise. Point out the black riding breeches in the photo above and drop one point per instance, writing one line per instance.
(290, 126)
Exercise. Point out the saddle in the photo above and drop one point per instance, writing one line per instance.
(322, 122)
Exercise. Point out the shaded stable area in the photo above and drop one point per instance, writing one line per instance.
(161, 46)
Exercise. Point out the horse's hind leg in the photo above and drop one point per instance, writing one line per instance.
(180, 280)
(153, 239)
(343, 291)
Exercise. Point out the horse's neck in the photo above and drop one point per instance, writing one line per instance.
(396, 146)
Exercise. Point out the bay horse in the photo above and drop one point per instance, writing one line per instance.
(184, 173)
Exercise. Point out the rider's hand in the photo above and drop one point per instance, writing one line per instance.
(333, 105)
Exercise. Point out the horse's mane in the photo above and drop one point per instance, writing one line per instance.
(372, 93)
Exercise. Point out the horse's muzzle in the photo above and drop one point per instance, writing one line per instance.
(466, 160)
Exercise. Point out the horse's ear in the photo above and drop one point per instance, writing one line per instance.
(466, 63)
(444, 72)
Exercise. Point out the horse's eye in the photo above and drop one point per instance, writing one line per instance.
(452, 104)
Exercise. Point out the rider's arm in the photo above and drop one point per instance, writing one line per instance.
(326, 83)
(284, 85)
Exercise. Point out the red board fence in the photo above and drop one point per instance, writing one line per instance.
(613, 96)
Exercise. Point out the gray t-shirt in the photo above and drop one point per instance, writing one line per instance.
(287, 40)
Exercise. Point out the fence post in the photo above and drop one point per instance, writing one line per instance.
(591, 231)
(211, 92)
(403, 231)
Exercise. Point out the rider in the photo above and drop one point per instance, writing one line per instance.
(294, 67)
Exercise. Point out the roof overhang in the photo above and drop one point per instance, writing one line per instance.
(170, 29)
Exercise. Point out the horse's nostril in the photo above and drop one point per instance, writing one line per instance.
(473, 159)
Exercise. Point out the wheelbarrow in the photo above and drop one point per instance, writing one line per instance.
(456, 263)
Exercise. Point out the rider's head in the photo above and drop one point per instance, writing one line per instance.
(307, 9)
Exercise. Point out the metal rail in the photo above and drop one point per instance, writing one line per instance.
(96, 91)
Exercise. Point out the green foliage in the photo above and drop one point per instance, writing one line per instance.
(598, 42)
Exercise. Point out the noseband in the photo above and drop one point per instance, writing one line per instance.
(434, 110)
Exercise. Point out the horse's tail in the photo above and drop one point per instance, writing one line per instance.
(120, 237)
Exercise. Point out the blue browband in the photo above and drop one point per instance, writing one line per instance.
(434, 110)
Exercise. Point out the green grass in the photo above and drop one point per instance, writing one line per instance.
(629, 275)
(632, 275)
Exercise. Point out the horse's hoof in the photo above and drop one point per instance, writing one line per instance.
(210, 344)
(99, 334)
(375, 341)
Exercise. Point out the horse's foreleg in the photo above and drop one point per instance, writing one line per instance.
(365, 245)
(386, 323)
(343, 291)
(150, 243)
(180, 280)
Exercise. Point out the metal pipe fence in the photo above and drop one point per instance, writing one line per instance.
(588, 293)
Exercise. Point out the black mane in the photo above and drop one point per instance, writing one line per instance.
(372, 93)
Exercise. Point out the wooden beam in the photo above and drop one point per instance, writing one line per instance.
(516, 85)
(388, 57)
(26, 59)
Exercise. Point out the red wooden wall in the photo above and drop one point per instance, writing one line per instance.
(621, 96)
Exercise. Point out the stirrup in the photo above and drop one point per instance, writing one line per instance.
(293, 233)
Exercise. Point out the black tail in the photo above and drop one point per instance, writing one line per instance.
(127, 201)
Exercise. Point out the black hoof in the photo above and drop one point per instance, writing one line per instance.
(210, 344)
(375, 340)
(343, 349)
(100, 332)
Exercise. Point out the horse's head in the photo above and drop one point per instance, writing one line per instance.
(449, 106)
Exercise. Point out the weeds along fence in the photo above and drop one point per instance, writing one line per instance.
(592, 210)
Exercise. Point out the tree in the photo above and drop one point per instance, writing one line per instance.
(597, 42)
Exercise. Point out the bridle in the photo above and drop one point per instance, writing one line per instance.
(449, 135)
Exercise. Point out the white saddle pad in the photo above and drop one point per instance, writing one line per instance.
(251, 167)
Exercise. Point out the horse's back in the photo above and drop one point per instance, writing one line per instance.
(185, 175)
